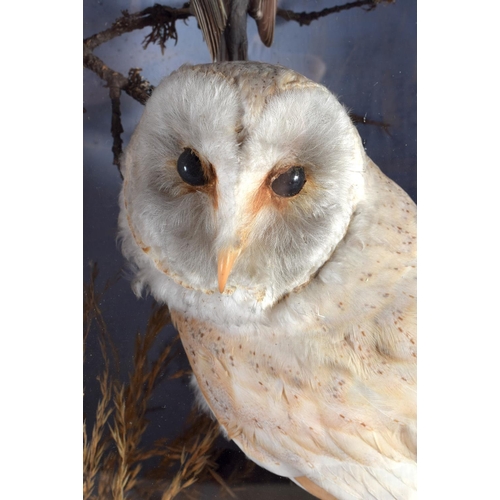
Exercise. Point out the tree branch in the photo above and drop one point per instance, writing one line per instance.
(305, 18)
(116, 126)
(161, 17)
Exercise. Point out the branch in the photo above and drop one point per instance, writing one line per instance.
(161, 17)
(305, 18)
(136, 86)
(116, 126)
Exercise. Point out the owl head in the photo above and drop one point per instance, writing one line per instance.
(240, 179)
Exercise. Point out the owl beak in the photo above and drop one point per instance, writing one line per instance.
(225, 262)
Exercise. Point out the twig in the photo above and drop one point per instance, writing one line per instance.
(158, 15)
(366, 121)
(305, 18)
(116, 126)
(135, 85)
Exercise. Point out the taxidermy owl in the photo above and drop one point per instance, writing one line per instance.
(287, 259)
(224, 25)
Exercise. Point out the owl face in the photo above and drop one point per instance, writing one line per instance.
(240, 179)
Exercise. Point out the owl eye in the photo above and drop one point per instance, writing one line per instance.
(190, 169)
(289, 183)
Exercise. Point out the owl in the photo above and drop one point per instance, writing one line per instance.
(288, 262)
(224, 25)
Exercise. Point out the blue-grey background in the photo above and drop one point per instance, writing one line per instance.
(368, 59)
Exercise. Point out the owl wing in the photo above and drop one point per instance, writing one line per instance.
(264, 12)
(358, 442)
(335, 430)
(212, 18)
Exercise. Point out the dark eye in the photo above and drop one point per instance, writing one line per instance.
(190, 169)
(289, 183)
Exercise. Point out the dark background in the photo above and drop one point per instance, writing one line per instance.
(366, 58)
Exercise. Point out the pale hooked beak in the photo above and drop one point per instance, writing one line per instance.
(225, 262)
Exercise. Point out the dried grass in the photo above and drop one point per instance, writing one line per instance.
(115, 453)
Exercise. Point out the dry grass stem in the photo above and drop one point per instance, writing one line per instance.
(115, 453)
(94, 449)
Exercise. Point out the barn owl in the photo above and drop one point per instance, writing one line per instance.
(287, 259)
(224, 25)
